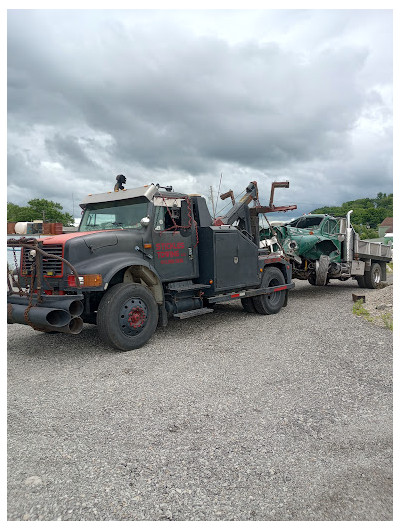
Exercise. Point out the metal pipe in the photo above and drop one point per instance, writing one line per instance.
(71, 305)
(38, 316)
(73, 327)
(349, 238)
(74, 307)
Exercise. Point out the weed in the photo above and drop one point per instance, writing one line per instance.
(387, 318)
(358, 309)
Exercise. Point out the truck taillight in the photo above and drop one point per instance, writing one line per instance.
(85, 280)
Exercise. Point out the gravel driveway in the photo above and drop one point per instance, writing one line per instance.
(227, 416)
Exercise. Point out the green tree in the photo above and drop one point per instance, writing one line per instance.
(39, 209)
(367, 213)
(365, 234)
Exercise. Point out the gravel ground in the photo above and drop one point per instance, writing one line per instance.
(227, 416)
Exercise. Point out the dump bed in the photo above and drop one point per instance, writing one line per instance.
(373, 250)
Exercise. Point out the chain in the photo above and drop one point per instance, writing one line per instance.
(176, 227)
(192, 220)
(17, 267)
(30, 303)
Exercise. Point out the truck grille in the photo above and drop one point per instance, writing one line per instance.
(51, 266)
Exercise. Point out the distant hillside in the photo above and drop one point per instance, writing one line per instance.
(367, 213)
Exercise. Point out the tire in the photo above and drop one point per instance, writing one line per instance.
(270, 303)
(248, 305)
(321, 270)
(127, 316)
(360, 282)
(311, 279)
(372, 278)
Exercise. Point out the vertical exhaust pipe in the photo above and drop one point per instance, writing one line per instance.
(349, 238)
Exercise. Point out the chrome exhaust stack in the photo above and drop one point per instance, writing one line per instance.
(349, 239)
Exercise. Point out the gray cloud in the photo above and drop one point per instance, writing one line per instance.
(184, 96)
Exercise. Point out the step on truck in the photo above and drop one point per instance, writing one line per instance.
(142, 256)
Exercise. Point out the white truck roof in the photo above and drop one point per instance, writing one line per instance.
(147, 191)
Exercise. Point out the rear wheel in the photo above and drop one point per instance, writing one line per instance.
(270, 303)
(127, 316)
(372, 278)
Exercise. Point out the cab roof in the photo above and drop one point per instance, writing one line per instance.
(149, 191)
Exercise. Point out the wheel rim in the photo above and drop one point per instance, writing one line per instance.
(377, 275)
(133, 316)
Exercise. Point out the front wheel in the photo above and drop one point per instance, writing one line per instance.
(127, 316)
(270, 303)
(321, 270)
(311, 279)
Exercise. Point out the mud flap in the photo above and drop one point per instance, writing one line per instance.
(162, 316)
(286, 298)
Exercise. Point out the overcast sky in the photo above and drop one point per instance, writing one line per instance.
(179, 97)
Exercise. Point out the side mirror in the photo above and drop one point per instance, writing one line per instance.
(145, 222)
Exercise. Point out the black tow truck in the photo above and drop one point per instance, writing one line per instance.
(141, 256)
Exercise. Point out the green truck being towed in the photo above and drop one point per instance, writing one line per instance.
(321, 247)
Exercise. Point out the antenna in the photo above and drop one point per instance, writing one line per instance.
(212, 200)
(219, 188)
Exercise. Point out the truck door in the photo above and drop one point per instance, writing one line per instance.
(174, 240)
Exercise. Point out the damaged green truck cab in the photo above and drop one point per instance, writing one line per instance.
(322, 247)
(312, 236)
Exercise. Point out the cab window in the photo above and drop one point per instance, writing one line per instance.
(167, 218)
(331, 226)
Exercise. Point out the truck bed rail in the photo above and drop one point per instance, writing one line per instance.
(373, 250)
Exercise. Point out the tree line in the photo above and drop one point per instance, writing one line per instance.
(367, 213)
(48, 211)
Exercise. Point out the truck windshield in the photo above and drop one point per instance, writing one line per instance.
(124, 214)
(306, 223)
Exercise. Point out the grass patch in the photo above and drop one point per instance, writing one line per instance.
(387, 319)
(358, 309)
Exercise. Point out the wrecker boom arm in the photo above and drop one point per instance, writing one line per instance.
(239, 210)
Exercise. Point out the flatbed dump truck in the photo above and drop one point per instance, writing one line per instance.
(141, 256)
